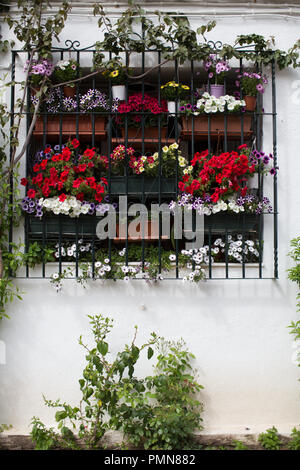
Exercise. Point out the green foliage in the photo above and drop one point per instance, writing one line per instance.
(294, 276)
(162, 412)
(35, 31)
(5, 427)
(294, 443)
(265, 54)
(37, 254)
(44, 439)
(176, 40)
(172, 35)
(239, 445)
(157, 412)
(101, 386)
(270, 439)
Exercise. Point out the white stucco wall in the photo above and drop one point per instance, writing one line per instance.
(236, 329)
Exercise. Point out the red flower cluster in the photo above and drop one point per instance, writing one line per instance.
(137, 103)
(218, 175)
(60, 176)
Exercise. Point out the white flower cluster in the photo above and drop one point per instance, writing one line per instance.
(70, 206)
(208, 208)
(101, 269)
(63, 64)
(235, 248)
(71, 250)
(198, 256)
(209, 104)
(206, 255)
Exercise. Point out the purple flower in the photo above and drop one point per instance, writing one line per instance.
(260, 88)
(266, 160)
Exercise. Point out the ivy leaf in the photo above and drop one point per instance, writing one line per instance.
(102, 348)
(150, 353)
(59, 415)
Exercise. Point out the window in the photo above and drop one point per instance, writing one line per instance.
(149, 146)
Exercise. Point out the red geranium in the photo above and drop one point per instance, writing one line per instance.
(58, 176)
(62, 197)
(75, 143)
(31, 193)
(218, 174)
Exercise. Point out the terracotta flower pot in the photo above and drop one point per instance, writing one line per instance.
(250, 102)
(68, 128)
(149, 133)
(69, 91)
(217, 125)
(150, 232)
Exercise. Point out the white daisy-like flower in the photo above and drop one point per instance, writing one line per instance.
(172, 257)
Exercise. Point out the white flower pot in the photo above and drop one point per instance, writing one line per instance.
(172, 107)
(253, 181)
(119, 92)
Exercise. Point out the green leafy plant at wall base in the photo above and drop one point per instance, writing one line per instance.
(270, 439)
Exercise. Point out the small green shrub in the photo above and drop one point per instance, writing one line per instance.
(164, 412)
(270, 439)
(239, 445)
(101, 387)
(294, 443)
(156, 412)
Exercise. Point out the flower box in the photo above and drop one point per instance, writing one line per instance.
(150, 232)
(52, 225)
(150, 133)
(243, 222)
(217, 125)
(138, 185)
(51, 126)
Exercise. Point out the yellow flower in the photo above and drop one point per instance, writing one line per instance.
(143, 158)
(99, 403)
(114, 73)
(165, 149)
(155, 156)
(176, 84)
(185, 87)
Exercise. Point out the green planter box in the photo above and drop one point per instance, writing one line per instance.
(218, 223)
(51, 226)
(138, 185)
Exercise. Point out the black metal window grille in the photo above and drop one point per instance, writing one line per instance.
(61, 230)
